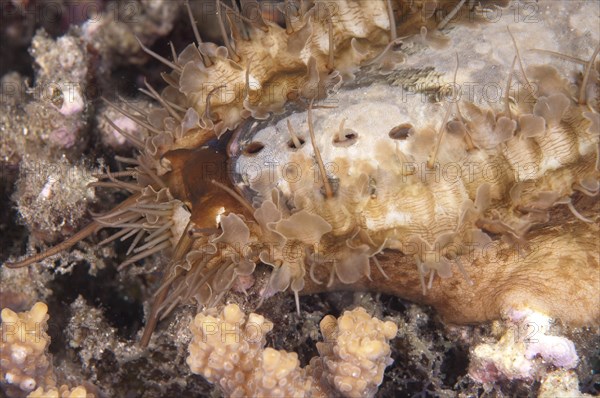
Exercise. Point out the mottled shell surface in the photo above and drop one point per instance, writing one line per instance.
(445, 160)
(439, 127)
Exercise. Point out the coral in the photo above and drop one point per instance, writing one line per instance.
(62, 392)
(228, 349)
(355, 352)
(524, 351)
(24, 358)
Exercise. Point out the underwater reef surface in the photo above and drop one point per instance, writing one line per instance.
(60, 58)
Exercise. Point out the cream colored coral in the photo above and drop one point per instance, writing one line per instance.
(279, 375)
(228, 349)
(62, 392)
(23, 359)
(355, 352)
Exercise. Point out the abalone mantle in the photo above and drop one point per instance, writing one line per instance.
(496, 173)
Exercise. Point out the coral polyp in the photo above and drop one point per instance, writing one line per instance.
(370, 145)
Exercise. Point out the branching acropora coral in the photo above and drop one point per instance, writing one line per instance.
(228, 348)
(25, 364)
(354, 353)
(384, 178)
(23, 350)
(62, 392)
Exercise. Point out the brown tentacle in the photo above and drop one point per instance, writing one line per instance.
(88, 230)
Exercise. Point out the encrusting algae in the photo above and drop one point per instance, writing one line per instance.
(354, 134)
